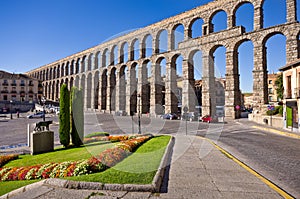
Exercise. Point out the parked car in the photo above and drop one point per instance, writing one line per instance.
(192, 116)
(57, 110)
(36, 115)
(170, 116)
(206, 118)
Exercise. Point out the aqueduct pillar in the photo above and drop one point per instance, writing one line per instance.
(188, 93)
(260, 95)
(156, 91)
(232, 92)
(131, 88)
(208, 86)
(171, 88)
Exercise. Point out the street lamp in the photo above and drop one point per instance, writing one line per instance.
(43, 101)
(10, 109)
(139, 113)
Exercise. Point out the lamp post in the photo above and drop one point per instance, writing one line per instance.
(10, 109)
(139, 113)
(43, 101)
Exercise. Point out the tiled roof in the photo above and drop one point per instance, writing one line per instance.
(7, 75)
(290, 65)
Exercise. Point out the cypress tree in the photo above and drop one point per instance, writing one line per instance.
(64, 116)
(77, 117)
(71, 112)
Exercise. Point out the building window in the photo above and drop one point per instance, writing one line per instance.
(270, 91)
(270, 81)
(5, 97)
(5, 90)
(22, 82)
(270, 99)
(14, 82)
(289, 87)
(30, 98)
(13, 90)
(5, 83)
(298, 81)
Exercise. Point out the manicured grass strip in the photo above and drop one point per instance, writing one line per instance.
(62, 155)
(6, 187)
(139, 168)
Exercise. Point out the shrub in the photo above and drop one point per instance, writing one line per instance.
(280, 110)
(97, 134)
(77, 117)
(64, 116)
(277, 110)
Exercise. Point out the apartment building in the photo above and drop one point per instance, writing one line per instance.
(18, 88)
(291, 84)
(272, 93)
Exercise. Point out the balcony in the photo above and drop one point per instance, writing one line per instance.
(288, 94)
(4, 91)
(13, 92)
(4, 84)
(22, 84)
(297, 92)
(30, 92)
(13, 84)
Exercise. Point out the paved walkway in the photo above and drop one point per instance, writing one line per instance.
(197, 170)
(204, 172)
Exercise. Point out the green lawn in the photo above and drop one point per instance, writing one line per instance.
(139, 168)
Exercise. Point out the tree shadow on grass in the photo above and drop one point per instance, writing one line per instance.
(165, 183)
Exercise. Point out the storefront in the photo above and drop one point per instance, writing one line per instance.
(291, 116)
(291, 84)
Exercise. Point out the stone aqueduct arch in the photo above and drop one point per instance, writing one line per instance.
(106, 88)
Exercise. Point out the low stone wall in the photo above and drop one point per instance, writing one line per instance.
(16, 106)
(41, 142)
(273, 121)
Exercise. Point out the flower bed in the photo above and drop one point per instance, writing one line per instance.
(6, 158)
(108, 158)
(111, 138)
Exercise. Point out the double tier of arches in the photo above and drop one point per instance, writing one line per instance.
(113, 74)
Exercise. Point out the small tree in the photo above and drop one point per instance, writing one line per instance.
(279, 86)
(77, 117)
(64, 116)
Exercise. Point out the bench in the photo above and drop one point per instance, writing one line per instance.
(42, 125)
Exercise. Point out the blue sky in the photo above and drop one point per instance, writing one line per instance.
(37, 32)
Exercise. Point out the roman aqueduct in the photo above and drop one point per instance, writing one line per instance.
(118, 73)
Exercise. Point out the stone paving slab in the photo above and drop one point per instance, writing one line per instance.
(61, 193)
(210, 176)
